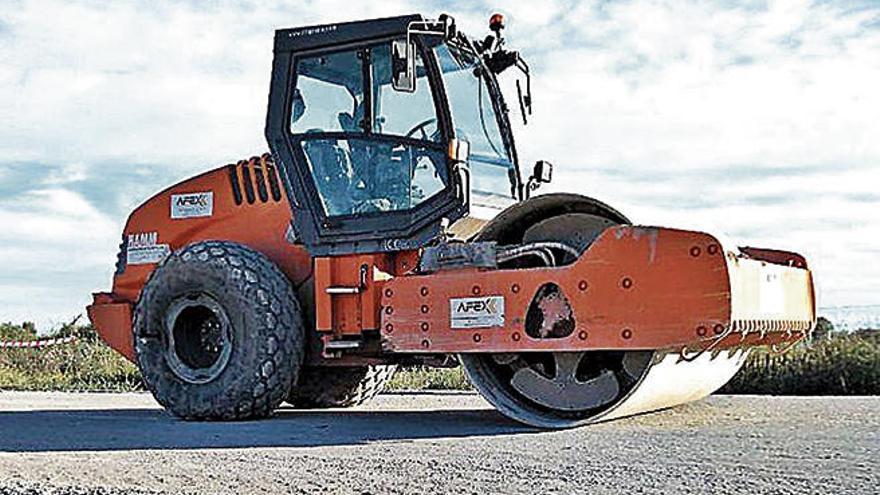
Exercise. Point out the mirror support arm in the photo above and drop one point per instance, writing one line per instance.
(542, 174)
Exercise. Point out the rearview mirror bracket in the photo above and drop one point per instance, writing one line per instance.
(403, 52)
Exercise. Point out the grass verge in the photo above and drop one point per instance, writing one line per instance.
(430, 379)
(85, 365)
(838, 365)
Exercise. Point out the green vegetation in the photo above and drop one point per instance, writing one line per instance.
(832, 364)
(430, 379)
(835, 365)
(86, 365)
(25, 331)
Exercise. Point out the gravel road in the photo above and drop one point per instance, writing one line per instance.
(437, 443)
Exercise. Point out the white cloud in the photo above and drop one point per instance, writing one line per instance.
(156, 82)
(669, 93)
(672, 98)
(66, 174)
(55, 229)
(57, 247)
(757, 119)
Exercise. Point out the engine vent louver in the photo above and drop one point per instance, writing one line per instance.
(257, 172)
(274, 185)
(233, 181)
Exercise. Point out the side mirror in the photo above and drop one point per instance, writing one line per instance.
(541, 174)
(403, 66)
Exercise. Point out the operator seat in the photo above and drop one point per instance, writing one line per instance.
(331, 168)
(362, 181)
(377, 178)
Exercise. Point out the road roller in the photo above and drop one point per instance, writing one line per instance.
(390, 226)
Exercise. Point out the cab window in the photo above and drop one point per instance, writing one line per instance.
(400, 113)
(395, 162)
(475, 121)
(329, 95)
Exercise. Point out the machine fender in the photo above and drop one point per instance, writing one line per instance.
(112, 321)
(509, 225)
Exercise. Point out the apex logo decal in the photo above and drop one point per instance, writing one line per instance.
(476, 312)
(192, 205)
(488, 306)
(192, 200)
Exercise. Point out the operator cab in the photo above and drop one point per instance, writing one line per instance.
(389, 132)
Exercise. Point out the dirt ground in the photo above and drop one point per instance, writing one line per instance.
(437, 443)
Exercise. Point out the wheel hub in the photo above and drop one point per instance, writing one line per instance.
(565, 389)
(556, 390)
(199, 338)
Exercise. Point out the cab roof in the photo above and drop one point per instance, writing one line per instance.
(310, 37)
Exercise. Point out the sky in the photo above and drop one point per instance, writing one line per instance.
(757, 121)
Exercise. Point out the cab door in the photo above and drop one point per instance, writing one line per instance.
(369, 165)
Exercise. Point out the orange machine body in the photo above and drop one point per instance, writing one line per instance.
(244, 203)
(634, 288)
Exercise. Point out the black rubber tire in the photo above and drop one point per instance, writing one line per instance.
(265, 323)
(331, 386)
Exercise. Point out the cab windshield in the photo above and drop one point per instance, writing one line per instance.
(473, 114)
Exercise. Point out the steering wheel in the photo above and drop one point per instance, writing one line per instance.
(420, 127)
